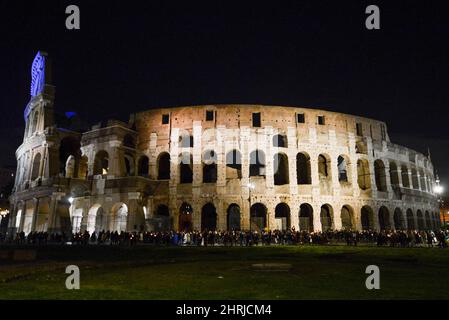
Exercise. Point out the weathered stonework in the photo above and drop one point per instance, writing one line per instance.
(130, 195)
(295, 167)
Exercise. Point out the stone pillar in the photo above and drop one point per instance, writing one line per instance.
(196, 219)
(22, 217)
(244, 214)
(52, 213)
(373, 179)
(197, 153)
(418, 177)
(410, 178)
(337, 218)
(317, 218)
(294, 215)
(267, 147)
(314, 174)
(358, 218)
(391, 216)
(399, 173)
(35, 212)
(388, 179)
(221, 215)
(85, 218)
(271, 220)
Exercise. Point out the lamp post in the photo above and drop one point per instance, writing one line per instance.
(439, 190)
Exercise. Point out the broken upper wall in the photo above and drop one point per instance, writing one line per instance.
(160, 121)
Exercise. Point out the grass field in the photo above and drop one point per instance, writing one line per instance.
(146, 272)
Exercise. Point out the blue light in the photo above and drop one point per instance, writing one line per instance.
(38, 74)
(70, 114)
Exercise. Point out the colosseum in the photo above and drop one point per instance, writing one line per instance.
(216, 167)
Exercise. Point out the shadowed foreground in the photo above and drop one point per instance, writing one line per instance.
(306, 272)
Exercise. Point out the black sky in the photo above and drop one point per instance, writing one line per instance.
(133, 55)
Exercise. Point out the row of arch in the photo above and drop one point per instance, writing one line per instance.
(257, 167)
(348, 219)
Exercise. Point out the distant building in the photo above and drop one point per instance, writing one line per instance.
(216, 167)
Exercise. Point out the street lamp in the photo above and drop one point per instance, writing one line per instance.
(439, 191)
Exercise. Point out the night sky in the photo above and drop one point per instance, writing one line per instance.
(134, 55)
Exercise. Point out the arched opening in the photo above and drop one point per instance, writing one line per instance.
(326, 217)
(186, 141)
(258, 217)
(70, 167)
(186, 168)
(410, 220)
(163, 166)
(428, 221)
(208, 217)
(306, 217)
(363, 175)
(282, 216)
(119, 217)
(384, 218)
(96, 219)
(35, 173)
(209, 167)
(379, 174)
(405, 177)
(280, 141)
(69, 155)
(162, 211)
(398, 219)
(323, 167)
(420, 219)
(280, 169)
(185, 217)
(303, 171)
(143, 166)
(257, 163)
(129, 142)
(367, 218)
(342, 165)
(129, 164)
(162, 218)
(347, 218)
(233, 165)
(233, 217)
(101, 163)
(394, 175)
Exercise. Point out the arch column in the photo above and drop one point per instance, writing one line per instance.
(399, 173)
(316, 218)
(294, 215)
(271, 220)
(221, 215)
(336, 217)
(245, 214)
(388, 178)
(314, 175)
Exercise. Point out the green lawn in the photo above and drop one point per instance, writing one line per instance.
(145, 272)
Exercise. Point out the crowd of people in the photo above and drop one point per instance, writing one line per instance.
(394, 238)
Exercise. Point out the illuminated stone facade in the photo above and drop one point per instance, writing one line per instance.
(204, 167)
